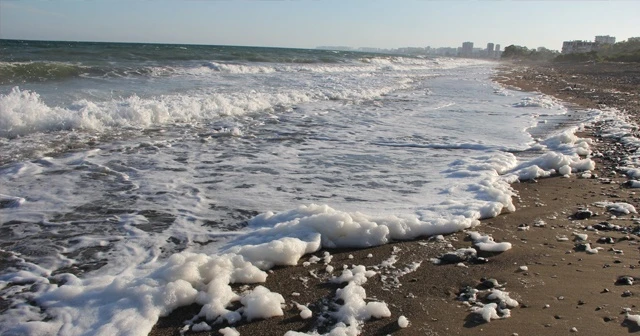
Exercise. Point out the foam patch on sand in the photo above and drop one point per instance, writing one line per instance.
(623, 129)
(349, 316)
(621, 208)
(487, 244)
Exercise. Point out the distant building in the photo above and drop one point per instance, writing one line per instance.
(443, 51)
(489, 51)
(368, 49)
(633, 39)
(490, 47)
(467, 49)
(572, 47)
(605, 39)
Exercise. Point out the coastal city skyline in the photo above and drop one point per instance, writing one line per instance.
(308, 24)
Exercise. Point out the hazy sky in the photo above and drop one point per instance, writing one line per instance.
(307, 23)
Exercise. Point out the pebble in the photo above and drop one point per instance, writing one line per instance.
(627, 293)
(574, 329)
(606, 240)
(583, 214)
(490, 283)
(625, 280)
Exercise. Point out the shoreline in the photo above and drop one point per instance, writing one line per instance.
(572, 283)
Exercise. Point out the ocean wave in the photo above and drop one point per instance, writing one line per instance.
(451, 146)
(543, 101)
(400, 63)
(20, 72)
(43, 71)
(24, 51)
(23, 112)
(27, 72)
(239, 68)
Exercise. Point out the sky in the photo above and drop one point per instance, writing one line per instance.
(311, 23)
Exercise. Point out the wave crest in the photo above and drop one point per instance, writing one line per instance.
(20, 72)
(239, 68)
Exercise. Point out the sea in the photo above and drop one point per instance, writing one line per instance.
(127, 170)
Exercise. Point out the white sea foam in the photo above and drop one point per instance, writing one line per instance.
(23, 112)
(165, 244)
(487, 244)
(617, 207)
(240, 68)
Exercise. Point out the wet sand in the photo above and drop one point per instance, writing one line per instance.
(563, 287)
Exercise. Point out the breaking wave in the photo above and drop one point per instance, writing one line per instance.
(23, 112)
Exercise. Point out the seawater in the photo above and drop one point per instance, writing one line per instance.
(118, 157)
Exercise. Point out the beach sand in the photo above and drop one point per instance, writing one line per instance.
(563, 287)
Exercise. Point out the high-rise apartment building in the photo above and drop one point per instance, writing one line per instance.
(467, 49)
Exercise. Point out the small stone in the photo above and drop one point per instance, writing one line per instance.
(580, 302)
(481, 260)
(606, 240)
(583, 214)
(490, 283)
(606, 290)
(560, 297)
(546, 306)
(627, 293)
(625, 280)
(574, 329)
(607, 319)
(557, 317)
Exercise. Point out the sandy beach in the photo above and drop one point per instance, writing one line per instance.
(561, 288)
